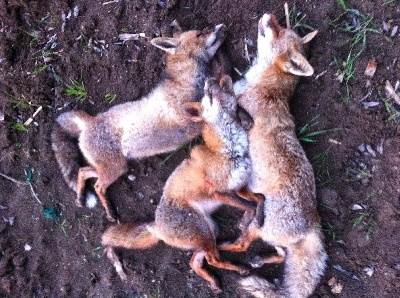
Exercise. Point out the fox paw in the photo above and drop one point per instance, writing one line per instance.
(216, 289)
(244, 272)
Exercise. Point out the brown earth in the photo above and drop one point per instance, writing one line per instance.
(357, 163)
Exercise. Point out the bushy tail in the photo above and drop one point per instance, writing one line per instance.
(64, 139)
(130, 236)
(304, 267)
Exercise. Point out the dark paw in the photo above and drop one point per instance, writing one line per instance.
(216, 289)
(256, 262)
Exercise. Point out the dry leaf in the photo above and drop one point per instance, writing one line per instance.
(371, 68)
(331, 281)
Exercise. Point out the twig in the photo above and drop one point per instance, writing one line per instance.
(12, 179)
(389, 88)
(246, 51)
(287, 15)
(110, 2)
(238, 71)
(27, 122)
(34, 194)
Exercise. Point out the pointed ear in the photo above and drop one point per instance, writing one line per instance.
(167, 44)
(194, 110)
(298, 65)
(226, 84)
(309, 37)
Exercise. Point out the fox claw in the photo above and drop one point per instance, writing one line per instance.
(216, 289)
(244, 272)
(80, 202)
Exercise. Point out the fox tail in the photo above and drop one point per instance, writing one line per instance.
(64, 139)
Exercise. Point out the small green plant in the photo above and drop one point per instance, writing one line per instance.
(18, 127)
(18, 102)
(364, 221)
(63, 226)
(297, 21)
(86, 217)
(388, 2)
(110, 97)
(394, 114)
(76, 90)
(320, 163)
(156, 294)
(34, 35)
(329, 230)
(307, 135)
(359, 26)
(40, 69)
(188, 144)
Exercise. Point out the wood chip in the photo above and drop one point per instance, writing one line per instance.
(130, 36)
(392, 93)
(371, 68)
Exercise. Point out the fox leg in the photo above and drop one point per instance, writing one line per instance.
(212, 257)
(196, 263)
(84, 173)
(259, 199)
(279, 258)
(241, 244)
(243, 204)
(112, 256)
(108, 174)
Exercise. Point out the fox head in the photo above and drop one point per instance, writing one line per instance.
(219, 102)
(282, 47)
(196, 44)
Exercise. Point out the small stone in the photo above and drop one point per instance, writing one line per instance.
(337, 288)
(369, 271)
(356, 207)
(370, 150)
(132, 177)
(361, 148)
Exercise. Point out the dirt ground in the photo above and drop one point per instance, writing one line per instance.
(45, 45)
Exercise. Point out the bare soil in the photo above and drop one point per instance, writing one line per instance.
(46, 44)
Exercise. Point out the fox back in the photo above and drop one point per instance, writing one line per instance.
(152, 125)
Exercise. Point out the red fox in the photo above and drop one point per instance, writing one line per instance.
(198, 186)
(281, 171)
(153, 125)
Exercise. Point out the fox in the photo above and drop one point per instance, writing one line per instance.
(137, 129)
(215, 173)
(280, 169)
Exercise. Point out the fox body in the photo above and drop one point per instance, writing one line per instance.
(281, 171)
(197, 187)
(152, 125)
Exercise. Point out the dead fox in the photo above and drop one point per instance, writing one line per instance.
(152, 125)
(198, 186)
(281, 171)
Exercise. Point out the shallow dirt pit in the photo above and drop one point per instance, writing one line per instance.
(46, 45)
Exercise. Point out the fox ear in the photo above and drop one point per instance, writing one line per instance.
(194, 110)
(309, 37)
(298, 65)
(167, 44)
(226, 84)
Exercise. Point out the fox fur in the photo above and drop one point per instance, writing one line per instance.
(209, 178)
(152, 125)
(281, 170)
